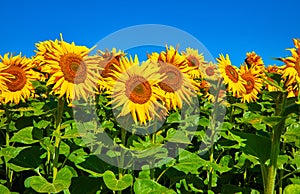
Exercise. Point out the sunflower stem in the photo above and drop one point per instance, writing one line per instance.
(153, 141)
(121, 164)
(9, 173)
(60, 108)
(270, 175)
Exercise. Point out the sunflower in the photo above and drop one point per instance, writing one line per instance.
(210, 71)
(107, 63)
(231, 76)
(292, 91)
(195, 61)
(73, 73)
(3, 78)
(178, 86)
(291, 70)
(254, 61)
(135, 89)
(272, 69)
(253, 83)
(18, 74)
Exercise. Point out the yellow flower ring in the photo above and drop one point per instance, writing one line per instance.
(137, 98)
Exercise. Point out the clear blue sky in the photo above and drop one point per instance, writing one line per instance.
(233, 26)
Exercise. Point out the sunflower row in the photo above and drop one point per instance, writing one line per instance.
(163, 82)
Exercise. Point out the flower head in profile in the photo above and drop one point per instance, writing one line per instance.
(210, 71)
(17, 75)
(195, 61)
(72, 72)
(108, 63)
(252, 85)
(231, 76)
(135, 90)
(272, 69)
(291, 69)
(254, 61)
(177, 86)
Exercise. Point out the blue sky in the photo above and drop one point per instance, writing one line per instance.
(234, 26)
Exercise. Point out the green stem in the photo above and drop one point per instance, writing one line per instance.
(211, 170)
(9, 173)
(271, 172)
(60, 108)
(281, 174)
(264, 174)
(121, 164)
(270, 177)
(153, 141)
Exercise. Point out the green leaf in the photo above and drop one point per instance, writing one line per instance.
(204, 121)
(114, 184)
(189, 162)
(291, 189)
(272, 121)
(174, 118)
(4, 190)
(281, 160)
(177, 136)
(62, 181)
(255, 145)
(24, 136)
(250, 118)
(241, 106)
(292, 134)
(28, 158)
(150, 187)
(93, 165)
(42, 124)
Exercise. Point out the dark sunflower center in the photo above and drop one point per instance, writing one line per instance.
(249, 83)
(109, 68)
(231, 73)
(138, 90)
(193, 61)
(18, 79)
(210, 71)
(173, 80)
(73, 68)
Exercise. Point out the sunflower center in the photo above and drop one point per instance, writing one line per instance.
(193, 61)
(18, 79)
(210, 71)
(249, 83)
(173, 80)
(73, 68)
(138, 90)
(231, 73)
(109, 68)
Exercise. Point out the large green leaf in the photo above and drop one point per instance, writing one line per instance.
(115, 184)
(292, 134)
(4, 190)
(150, 187)
(291, 189)
(25, 136)
(28, 158)
(93, 165)
(62, 181)
(255, 145)
(189, 162)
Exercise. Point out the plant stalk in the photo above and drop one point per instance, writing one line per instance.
(60, 108)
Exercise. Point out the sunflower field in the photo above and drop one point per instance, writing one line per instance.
(80, 120)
